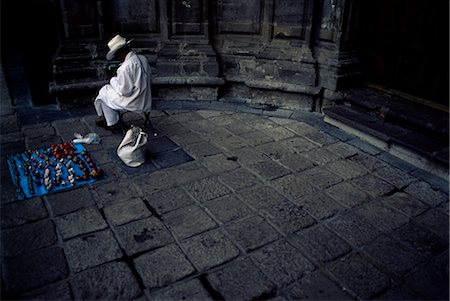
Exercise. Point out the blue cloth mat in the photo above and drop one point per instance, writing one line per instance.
(27, 170)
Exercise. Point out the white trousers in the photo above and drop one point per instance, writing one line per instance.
(111, 116)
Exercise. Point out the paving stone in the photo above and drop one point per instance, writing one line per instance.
(170, 199)
(91, 250)
(431, 280)
(241, 280)
(100, 157)
(114, 172)
(187, 116)
(42, 267)
(248, 155)
(288, 217)
(293, 186)
(115, 192)
(398, 293)
(111, 281)
(369, 162)
(343, 150)
(38, 131)
(346, 169)
(209, 249)
(372, 185)
(189, 221)
(261, 197)
(392, 256)
(202, 149)
(220, 163)
(70, 201)
(315, 286)
(167, 159)
(364, 146)
(124, 212)
(420, 239)
(187, 138)
(423, 192)
(143, 235)
(72, 125)
(347, 194)
(444, 207)
(255, 138)
(274, 150)
(405, 203)
(190, 290)
(60, 291)
(269, 170)
(282, 263)
(27, 238)
(22, 212)
(299, 144)
(320, 156)
(319, 205)
(320, 138)
(237, 128)
(227, 208)
(187, 172)
(395, 176)
(279, 133)
(207, 189)
(300, 128)
(436, 221)
(359, 276)
(252, 232)
(163, 266)
(382, 217)
(239, 179)
(320, 177)
(395, 161)
(80, 222)
(152, 182)
(354, 229)
(320, 243)
(229, 142)
(296, 162)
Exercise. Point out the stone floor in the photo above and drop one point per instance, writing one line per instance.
(233, 206)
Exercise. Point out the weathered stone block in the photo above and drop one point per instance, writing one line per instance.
(347, 194)
(320, 177)
(346, 169)
(320, 156)
(382, 217)
(111, 281)
(319, 205)
(405, 203)
(372, 185)
(22, 212)
(288, 217)
(227, 208)
(124, 212)
(143, 235)
(70, 201)
(207, 189)
(188, 221)
(190, 290)
(209, 249)
(170, 199)
(239, 179)
(425, 193)
(80, 222)
(163, 266)
(293, 186)
(269, 170)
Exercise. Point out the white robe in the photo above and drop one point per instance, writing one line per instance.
(130, 90)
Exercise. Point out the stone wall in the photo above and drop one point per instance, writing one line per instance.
(290, 53)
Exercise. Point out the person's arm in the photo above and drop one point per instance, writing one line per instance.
(123, 82)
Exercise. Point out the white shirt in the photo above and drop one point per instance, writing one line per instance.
(130, 90)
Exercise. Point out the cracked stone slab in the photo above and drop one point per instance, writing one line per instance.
(80, 222)
(269, 170)
(26, 238)
(190, 290)
(169, 200)
(274, 150)
(372, 185)
(22, 212)
(315, 286)
(425, 193)
(347, 194)
(209, 249)
(202, 149)
(354, 228)
(70, 201)
(248, 155)
(319, 205)
(405, 203)
(395, 176)
(143, 235)
(279, 133)
(163, 266)
(241, 280)
(227, 208)
(124, 212)
(358, 275)
(282, 263)
(207, 189)
(186, 222)
(220, 163)
(252, 232)
(91, 250)
(42, 267)
(393, 256)
(111, 281)
(320, 243)
(369, 162)
(239, 179)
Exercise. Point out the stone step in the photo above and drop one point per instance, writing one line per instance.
(426, 151)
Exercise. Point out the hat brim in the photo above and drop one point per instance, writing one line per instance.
(111, 53)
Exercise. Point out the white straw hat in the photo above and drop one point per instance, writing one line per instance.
(115, 44)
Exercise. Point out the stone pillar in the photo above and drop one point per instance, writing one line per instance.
(335, 51)
(187, 67)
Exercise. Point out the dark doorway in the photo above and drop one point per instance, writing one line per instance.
(404, 45)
